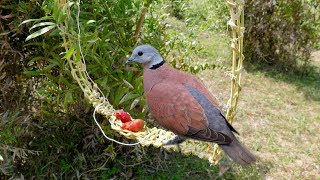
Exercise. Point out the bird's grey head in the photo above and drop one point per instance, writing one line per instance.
(146, 55)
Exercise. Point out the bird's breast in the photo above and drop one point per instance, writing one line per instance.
(152, 77)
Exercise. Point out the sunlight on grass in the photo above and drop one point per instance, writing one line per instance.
(276, 120)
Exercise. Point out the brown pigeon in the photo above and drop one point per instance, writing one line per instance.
(180, 103)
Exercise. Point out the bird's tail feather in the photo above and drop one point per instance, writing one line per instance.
(239, 153)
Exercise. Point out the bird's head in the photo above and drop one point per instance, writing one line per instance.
(146, 55)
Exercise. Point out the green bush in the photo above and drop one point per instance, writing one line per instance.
(178, 8)
(208, 14)
(281, 33)
(14, 55)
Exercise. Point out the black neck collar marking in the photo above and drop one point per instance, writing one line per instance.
(156, 66)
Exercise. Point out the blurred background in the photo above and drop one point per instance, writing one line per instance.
(46, 124)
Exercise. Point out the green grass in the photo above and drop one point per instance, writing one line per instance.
(276, 120)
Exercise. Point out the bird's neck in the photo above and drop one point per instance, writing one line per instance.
(156, 66)
(156, 62)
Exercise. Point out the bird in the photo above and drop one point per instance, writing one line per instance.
(181, 103)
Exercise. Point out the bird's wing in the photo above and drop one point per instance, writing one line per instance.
(192, 81)
(175, 108)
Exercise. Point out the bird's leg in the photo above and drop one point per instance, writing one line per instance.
(175, 140)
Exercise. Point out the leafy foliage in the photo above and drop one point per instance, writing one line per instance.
(178, 8)
(13, 54)
(208, 14)
(282, 33)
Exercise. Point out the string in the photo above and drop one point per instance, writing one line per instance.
(95, 120)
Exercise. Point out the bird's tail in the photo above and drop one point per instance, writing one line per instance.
(239, 153)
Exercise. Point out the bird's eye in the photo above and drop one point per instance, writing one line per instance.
(140, 53)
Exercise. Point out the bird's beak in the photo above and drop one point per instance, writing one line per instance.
(130, 60)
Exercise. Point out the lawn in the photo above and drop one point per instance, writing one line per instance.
(278, 117)
(277, 121)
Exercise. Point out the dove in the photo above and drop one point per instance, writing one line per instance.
(180, 103)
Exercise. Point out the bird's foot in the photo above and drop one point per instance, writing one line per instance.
(176, 140)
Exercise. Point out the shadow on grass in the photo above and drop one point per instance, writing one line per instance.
(74, 148)
(307, 80)
(174, 165)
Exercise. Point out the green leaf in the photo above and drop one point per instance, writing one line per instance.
(31, 20)
(40, 32)
(134, 103)
(35, 59)
(69, 52)
(68, 99)
(31, 73)
(124, 98)
(128, 97)
(91, 21)
(78, 56)
(128, 84)
(42, 24)
(26, 21)
(55, 13)
(93, 40)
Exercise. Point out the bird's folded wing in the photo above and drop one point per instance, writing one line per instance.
(177, 110)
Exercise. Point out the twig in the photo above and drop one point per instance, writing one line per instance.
(140, 22)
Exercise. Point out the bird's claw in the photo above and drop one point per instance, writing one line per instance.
(175, 140)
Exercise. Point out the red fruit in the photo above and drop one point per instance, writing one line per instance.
(123, 116)
(134, 126)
